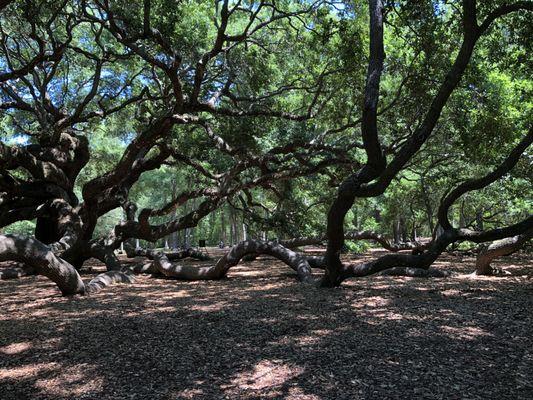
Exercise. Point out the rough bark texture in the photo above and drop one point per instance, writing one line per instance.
(171, 255)
(294, 260)
(41, 258)
(497, 249)
(106, 279)
(33, 253)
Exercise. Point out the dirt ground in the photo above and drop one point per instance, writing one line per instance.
(259, 334)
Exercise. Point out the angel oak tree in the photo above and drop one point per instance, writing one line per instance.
(146, 63)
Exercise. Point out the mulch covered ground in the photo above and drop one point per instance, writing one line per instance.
(261, 335)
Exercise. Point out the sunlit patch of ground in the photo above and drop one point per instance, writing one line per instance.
(261, 335)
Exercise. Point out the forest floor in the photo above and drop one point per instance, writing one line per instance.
(259, 334)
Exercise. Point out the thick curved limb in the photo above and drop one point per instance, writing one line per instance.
(33, 253)
(219, 270)
(131, 252)
(499, 248)
(106, 279)
(37, 255)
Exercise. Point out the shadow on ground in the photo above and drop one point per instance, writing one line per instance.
(260, 335)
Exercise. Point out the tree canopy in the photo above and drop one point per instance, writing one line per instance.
(263, 124)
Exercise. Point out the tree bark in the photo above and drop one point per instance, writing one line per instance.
(41, 258)
(35, 254)
(187, 272)
(499, 248)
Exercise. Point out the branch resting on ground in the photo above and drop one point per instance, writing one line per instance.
(34, 254)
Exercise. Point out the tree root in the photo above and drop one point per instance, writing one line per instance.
(144, 268)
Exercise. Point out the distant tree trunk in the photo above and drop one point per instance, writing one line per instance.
(377, 215)
(223, 227)
(187, 239)
(462, 219)
(355, 220)
(234, 227)
(396, 231)
(179, 238)
(403, 229)
(427, 205)
(479, 220)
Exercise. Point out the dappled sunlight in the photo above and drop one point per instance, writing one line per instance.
(72, 381)
(465, 332)
(27, 371)
(218, 306)
(15, 348)
(266, 374)
(261, 334)
(371, 302)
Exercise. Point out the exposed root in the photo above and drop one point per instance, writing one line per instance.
(144, 268)
(317, 262)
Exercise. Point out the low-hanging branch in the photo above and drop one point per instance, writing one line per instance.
(499, 248)
(42, 259)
